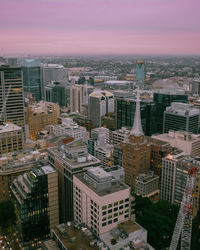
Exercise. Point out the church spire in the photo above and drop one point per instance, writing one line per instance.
(137, 125)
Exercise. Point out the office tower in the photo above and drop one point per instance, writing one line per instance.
(140, 70)
(58, 92)
(12, 96)
(182, 140)
(100, 201)
(162, 99)
(78, 97)
(125, 111)
(100, 103)
(159, 150)
(52, 72)
(174, 176)
(11, 138)
(99, 137)
(39, 115)
(35, 195)
(181, 116)
(194, 87)
(16, 163)
(68, 160)
(32, 77)
(136, 151)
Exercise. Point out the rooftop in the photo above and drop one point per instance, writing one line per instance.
(74, 238)
(102, 179)
(170, 91)
(9, 127)
(182, 109)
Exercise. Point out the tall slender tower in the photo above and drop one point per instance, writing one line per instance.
(136, 150)
(12, 96)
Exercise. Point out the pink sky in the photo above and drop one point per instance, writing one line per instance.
(100, 27)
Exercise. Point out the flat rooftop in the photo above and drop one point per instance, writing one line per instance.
(112, 189)
(74, 238)
(9, 127)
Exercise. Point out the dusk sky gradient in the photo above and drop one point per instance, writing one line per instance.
(99, 27)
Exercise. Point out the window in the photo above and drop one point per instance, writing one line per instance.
(127, 210)
(109, 205)
(104, 224)
(110, 211)
(126, 216)
(116, 208)
(121, 207)
(104, 213)
(127, 205)
(104, 207)
(121, 212)
(121, 202)
(126, 200)
(116, 219)
(109, 216)
(116, 214)
(104, 218)
(116, 203)
(110, 222)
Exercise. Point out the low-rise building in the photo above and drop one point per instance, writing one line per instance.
(105, 154)
(11, 138)
(147, 184)
(120, 135)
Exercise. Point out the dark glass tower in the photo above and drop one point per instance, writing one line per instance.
(32, 77)
(162, 99)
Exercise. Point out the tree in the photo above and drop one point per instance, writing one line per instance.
(7, 214)
(158, 219)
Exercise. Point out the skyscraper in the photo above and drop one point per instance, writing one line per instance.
(136, 151)
(78, 97)
(181, 116)
(32, 77)
(163, 98)
(100, 104)
(140, 70)
(52, 72)
(12, 96)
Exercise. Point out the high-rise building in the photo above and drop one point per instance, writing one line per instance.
(136, 151)
(100, 104)
(100, 201)
(39, 115)
(120, 135)
(159, 149)
(58, 92)
(35, 196)
(52, 72)
(11, 138)
(69, 160)
(12, 96)
(195, 87)
(162, 99)
(181, 116)
(174, 177)
(78, 97)
(32, 77)
(185, 141)
(140, 70)
(125, 111)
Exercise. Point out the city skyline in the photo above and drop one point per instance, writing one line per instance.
(100, 27)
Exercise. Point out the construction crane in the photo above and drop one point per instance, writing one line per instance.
(4, 104)
(183, 225)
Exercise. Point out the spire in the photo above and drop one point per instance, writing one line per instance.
(137, 126)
